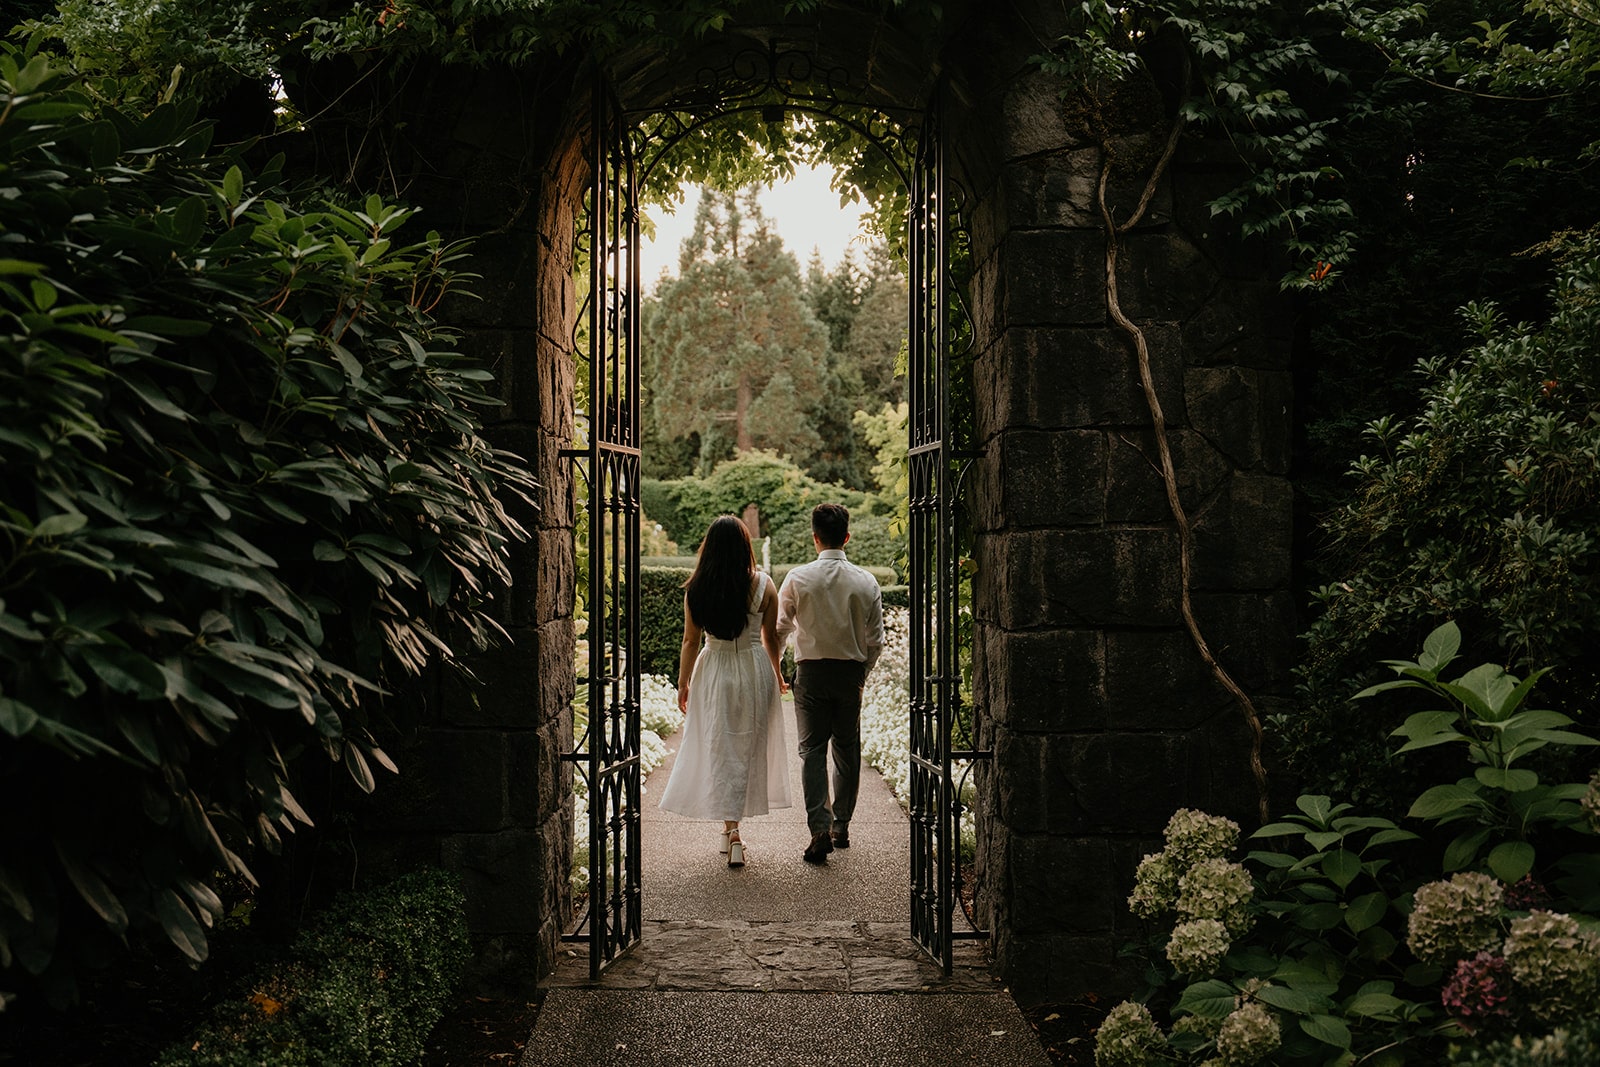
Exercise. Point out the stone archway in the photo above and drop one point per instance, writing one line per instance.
(1103, 718)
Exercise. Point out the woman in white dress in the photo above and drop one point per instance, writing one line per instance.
(731, 763)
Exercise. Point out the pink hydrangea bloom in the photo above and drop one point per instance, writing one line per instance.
(1528, 895)
(1479, 992)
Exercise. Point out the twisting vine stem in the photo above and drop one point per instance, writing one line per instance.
(1169, 476)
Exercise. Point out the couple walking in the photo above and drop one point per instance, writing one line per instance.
(731, 763)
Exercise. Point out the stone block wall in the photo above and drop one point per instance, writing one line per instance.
(1103, 717)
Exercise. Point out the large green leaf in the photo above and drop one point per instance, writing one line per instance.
(1211, 999)
(1514, 780)
(1443, 800)
(1511, 860)
(1283, 998)
(1380, 1005)
(1319, 809)
(125, 671)
(1365, 911)
(1328, 1029)
(16, 718)
(1341, 867)
(181, 926)
(93, 889)
(1463, 849)
(1441, 646)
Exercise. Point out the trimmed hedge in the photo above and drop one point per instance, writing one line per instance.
(365, 983)
(785, 494)
(897, 596)
(661, 619)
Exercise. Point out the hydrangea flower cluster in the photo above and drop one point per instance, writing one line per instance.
(1450, 920)
(1217, 889)
(1193, 836)
(1249, 1035)
(1193, 877)
(1479, 992)
(1529, 894)
(1197, 947)
(1204, 1027)
(1155, 887)
(1128, 1038)
(1557, 962)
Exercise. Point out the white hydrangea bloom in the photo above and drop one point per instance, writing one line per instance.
(1129, 1037)
(1217, 889)
(1193, 836)
(1155, 887)
(1557, 963)
(1197, 947)
(1249, 1035)
(1454, 919)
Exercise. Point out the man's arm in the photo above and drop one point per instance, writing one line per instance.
(786, 610)
(872, 638)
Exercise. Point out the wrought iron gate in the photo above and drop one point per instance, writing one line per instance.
(943, 748)
(606, 753)
(943, 738)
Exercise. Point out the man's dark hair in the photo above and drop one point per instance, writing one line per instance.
(831, 524)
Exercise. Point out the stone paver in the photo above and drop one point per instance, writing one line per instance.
(685, 877)
(802, 956)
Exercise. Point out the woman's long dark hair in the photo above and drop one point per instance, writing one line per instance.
(719, 589)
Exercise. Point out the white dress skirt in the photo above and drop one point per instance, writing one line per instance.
(732, 762)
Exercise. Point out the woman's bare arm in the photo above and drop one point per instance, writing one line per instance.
(769, 633)
(686, 655)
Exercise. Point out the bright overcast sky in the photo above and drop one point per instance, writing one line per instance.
(805, 212)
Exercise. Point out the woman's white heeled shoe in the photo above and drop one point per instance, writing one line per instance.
(735, 851)
(723, 848)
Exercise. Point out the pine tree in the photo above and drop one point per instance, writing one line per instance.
(734, 350)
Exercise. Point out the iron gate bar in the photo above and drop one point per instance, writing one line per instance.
(608, 753)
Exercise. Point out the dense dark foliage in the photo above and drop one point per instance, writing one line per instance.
(1483, 509)
(242, 493)
(364, 983)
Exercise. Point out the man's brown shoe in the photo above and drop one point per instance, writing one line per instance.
(817, 851)
(840, 837)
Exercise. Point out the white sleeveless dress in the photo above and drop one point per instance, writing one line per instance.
(732, 762)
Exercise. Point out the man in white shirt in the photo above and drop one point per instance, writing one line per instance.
(834, 609)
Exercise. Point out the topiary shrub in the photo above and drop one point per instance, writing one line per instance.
(242, 493)
(365, 983)
(1482, 509)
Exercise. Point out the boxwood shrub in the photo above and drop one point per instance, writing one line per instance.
(365, 983)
